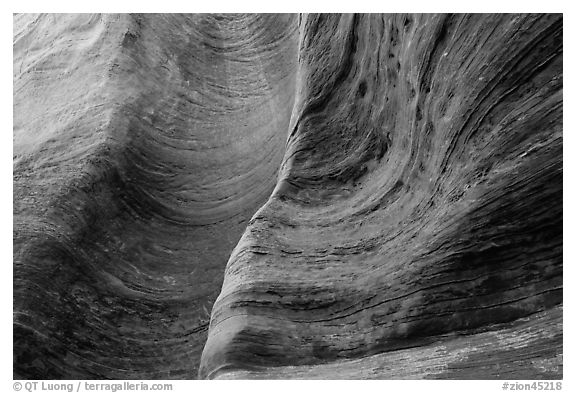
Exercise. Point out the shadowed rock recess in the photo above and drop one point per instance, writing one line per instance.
(371, 196)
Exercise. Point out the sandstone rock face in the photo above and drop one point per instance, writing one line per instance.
(142, 146)
(380, 194)
(416, 229)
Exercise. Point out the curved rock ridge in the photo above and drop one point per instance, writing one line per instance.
(392, 185)
(416, 229)
(143, 144)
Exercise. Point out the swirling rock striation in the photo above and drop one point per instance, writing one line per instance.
(416, 229)
(142, 146)
(386, 189)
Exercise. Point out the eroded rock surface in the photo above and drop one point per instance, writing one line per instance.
(142, 147)
(416, 230)
(386, 191)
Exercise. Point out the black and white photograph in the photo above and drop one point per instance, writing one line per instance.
(280, 196)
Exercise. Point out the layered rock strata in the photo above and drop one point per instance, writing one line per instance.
(380, 194)
(416, 229)
(143, 144)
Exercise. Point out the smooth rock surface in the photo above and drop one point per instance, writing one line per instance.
(143, 144)
(371, 196)
(418, 217)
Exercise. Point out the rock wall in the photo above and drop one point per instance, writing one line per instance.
(142, 146)
(416, 229)
(407, 170)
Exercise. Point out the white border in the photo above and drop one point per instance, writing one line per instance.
(293, 6)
